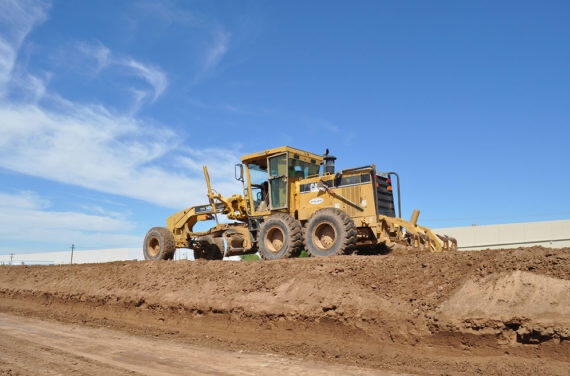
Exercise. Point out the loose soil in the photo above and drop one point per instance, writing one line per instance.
(487, 312)
(39, 347)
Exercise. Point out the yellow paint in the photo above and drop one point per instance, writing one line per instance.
(357, 200)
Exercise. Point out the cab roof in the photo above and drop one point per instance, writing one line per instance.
(296, 153)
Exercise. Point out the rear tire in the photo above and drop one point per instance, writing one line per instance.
(280, 236)
(330, 232)
(159, 244)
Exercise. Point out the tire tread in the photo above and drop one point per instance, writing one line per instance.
(294, 233)
(168, 245)
(349, 241)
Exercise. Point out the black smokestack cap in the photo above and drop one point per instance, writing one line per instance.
(329, 162)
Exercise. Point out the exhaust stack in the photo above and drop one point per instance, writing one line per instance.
(329, 162)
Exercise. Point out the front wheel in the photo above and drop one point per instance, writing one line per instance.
(159, 244)
(330, 232)
(280, 236)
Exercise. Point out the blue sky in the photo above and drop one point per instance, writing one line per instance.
(109, 109)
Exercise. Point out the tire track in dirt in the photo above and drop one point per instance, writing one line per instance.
(31, 347)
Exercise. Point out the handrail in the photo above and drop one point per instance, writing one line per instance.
(399, 202)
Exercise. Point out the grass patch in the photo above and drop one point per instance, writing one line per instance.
(255, 256)
(251, 257)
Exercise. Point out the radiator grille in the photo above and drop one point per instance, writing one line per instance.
(353, 195)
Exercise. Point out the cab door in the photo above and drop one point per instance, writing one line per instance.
(278, 187)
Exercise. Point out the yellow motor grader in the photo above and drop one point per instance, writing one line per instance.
(294, 200)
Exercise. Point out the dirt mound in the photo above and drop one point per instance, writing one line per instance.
(532, 307)
(509, 295)
(359, 309)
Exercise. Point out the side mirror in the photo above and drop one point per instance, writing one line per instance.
(238, 172)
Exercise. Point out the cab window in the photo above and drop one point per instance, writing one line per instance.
(259, 187)
(301, 170)
(278, 166)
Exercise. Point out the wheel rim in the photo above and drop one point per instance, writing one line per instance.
(153, 247)
(274, 239)
(324, 236)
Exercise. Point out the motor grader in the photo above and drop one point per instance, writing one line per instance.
(294, 200)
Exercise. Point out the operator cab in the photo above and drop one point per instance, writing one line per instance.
(270, 174)
(259, 186)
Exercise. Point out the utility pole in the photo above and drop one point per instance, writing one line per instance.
(72, 249)
(11, 258)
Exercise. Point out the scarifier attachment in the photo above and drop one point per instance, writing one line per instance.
(449, 243)
(400, 231)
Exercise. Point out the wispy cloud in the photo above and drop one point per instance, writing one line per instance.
(96, 209)
(91, 146)
(21, 16)
(217, 49)
(98, 51)
(220, 162)
(7, 59)
(104, 58)
(170, 13)
(152, 74)
(17, 19)
(23, 217)
(23, 200)
(233, 108)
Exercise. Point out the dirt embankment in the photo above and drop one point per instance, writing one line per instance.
(491, 311)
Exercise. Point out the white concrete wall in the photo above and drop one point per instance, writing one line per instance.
(79, 257)
(554, 234)
(90, 256)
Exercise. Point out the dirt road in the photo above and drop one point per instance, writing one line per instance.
(490, 312)
(34, 347)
